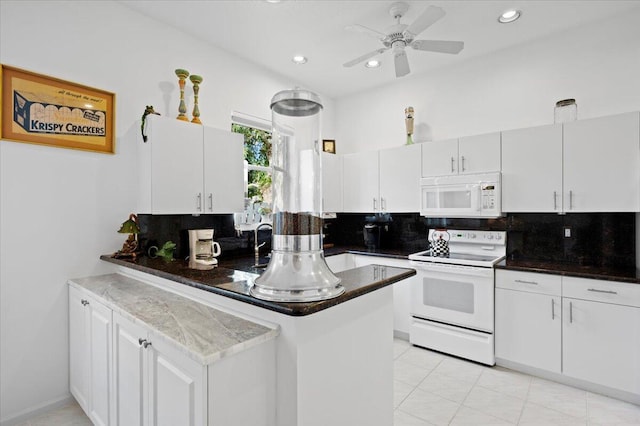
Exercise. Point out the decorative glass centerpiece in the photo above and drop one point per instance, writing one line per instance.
(297, 271)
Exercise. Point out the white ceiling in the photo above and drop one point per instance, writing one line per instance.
(270, 34)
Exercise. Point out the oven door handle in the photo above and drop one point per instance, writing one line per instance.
(427, 267)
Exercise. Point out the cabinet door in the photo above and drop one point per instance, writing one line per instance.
(128, 372)
(479, 154)
(223, 171)
(177, 167)
(178, 387)
(528, 329)
(100, 362)
(440, 158)
(601, 343)
(532, 169)
(361, 182)
(331, 183)
(602, 164)
(78, 349)
(400, 179)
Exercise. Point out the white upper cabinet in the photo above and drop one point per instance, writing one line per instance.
(532, 169)
(361, 182)
(223, 171)
(602, 164)
(581, 166)
(187, 168)
(440, 158)
(471, 154)
(331, 182)
(382, 181)
(400, 179)
(479, 154)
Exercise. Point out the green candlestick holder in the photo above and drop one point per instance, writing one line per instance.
(182, 109)
(196, 80)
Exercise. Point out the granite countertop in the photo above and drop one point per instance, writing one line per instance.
(234, 277)
(204, 333)
(631, 275)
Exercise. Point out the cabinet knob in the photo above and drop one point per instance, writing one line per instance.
(452, 162)
(146, 344)
(210, 201)
(142, 341)
(462, 162)
(84, 302)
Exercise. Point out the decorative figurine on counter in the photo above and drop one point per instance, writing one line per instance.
(148, 110)
(165, 252)
(196, 80)
(182, 75)
(130, 247)
(408, 122)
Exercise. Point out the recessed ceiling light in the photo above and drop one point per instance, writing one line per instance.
(374, 63)
(299, 59)
(273, 1)
(509, 16)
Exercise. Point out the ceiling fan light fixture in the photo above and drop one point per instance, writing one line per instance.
(299, 59)
(374, 63)
(509, 16)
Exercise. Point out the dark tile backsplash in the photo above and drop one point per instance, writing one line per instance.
(596, 239)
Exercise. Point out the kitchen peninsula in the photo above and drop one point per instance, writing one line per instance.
(333, 358)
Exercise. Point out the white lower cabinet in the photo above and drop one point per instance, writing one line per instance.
(90, 355)
(589, 332)
(401, 290)
(528, 328)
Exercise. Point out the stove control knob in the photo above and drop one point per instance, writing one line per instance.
(498, 237)
(472, 235)
(490, 237)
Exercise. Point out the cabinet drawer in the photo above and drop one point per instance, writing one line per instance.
(529, 281)
(601, 291)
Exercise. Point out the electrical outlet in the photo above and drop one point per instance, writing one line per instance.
(567, 232)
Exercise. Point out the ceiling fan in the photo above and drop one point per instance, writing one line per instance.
(399, 36)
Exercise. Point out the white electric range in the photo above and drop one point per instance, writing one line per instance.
(453, 304)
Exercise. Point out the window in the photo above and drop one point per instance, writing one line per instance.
(257, 150)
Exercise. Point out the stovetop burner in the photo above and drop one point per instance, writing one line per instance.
(473, 248)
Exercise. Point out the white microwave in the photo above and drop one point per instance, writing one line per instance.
(473, 195)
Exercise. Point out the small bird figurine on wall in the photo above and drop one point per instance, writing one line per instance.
(148, 110)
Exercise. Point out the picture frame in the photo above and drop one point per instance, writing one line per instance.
(329, 145)
(39, 109)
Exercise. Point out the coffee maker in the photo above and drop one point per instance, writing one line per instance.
(202, 249)
(375, 230)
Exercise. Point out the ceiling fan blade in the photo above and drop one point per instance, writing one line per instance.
(441, 46)
(401, 62)
(365, 57)
(424, 21)
(364, 30)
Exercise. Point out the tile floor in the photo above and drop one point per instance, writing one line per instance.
(435, 389)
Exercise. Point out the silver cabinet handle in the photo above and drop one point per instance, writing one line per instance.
(570, 312)
(210, 201)
(462, 162)
(199, 201)
(527, 282)
(383, 204)
(553, 310)
(555, 200)
(452, 169)
(146, 344)
(570, 200)
(141, 341)
(602, 291)
(375, 204)
(84, 302)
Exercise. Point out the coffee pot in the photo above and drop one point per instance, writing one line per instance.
(440, 243)
(202, 249)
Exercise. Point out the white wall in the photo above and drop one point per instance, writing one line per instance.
(60, 209)
(598, 65)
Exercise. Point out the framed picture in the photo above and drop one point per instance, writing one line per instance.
(329, 145)
(48, 111)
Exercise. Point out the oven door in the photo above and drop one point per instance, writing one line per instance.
(454, 294)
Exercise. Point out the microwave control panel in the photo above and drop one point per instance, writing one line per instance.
(489, 199)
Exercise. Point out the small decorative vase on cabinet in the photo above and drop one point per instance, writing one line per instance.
(182, 109)
(196, 80)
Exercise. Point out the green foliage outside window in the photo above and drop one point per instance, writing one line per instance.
(257, 151)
